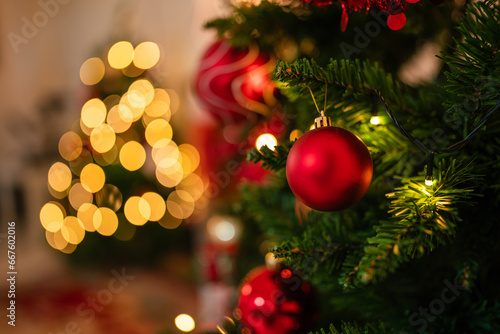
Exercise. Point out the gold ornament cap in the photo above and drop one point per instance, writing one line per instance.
(322, 121)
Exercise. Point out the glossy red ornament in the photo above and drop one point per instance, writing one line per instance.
(329, 169)
(396, 22)
(276, 302)
(234, 84)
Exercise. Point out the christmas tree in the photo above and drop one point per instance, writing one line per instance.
(418, 253)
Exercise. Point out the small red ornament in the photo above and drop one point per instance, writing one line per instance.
(396, 22)
(276, 302)
(329, 168)
(235, 84)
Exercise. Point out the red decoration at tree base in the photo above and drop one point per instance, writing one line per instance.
(276, 302)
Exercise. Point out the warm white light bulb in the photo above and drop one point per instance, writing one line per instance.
(428, 182)
(266, 139)
(225, 231)
(184, 322)
(375, 120)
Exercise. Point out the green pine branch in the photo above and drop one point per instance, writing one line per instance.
(354, 328)
(422, 218)
(271, 159)
(346, 82)
(472, 77)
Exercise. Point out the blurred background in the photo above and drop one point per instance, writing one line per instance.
(119, 279)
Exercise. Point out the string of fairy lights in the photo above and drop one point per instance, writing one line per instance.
(132, 131)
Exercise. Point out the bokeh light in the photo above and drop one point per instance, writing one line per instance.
(132, 155)
(169, 176)
(121, 54)
(160, 106)
(295, 134)
(86, 215)
(56, 240)
(193, 184)
(224, 229)
(102, 138)
(105, 221)
(92, 71)
(157, 205)
(132, 131)
(184, 322)
(109, 196)
(78, 196)
(190, 158)
(266, 139)
(169, 222)
(81, 161)
(130, 110)
(72, 230)
(59, 177)
(180, 204)
(375, 120)
(92, 178)
(137, 210)
(52, 216)
(93, 113)
(70, 146)
(159, 133)
(146, 55)
(117, 121)
(141, 93)
(106, 158)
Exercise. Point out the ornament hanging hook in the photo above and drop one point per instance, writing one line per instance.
(314, 100)
(326, 90)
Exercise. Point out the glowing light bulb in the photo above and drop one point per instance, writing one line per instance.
(266, 139)
(225, 231)
(428, 182)
(375, 120)
(259, 301)
(184, 322)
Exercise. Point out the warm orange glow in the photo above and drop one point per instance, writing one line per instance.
(132, 155)
(120, 55)
(92, 178)
(73, 230)
(52, 216)
(86, 215)
(70, 146)
(93, 113)
(146, 55)
(117, 121)
(59, 177)
(78, 195)
(102, 138)
(137, 210)
(157, 205)
(141, 93)
(105, 221)
(159, 133)
(92, 71)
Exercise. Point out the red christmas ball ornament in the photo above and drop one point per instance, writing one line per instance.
(396, 22)
(276, 302)
(329, 168)
(234, 84)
